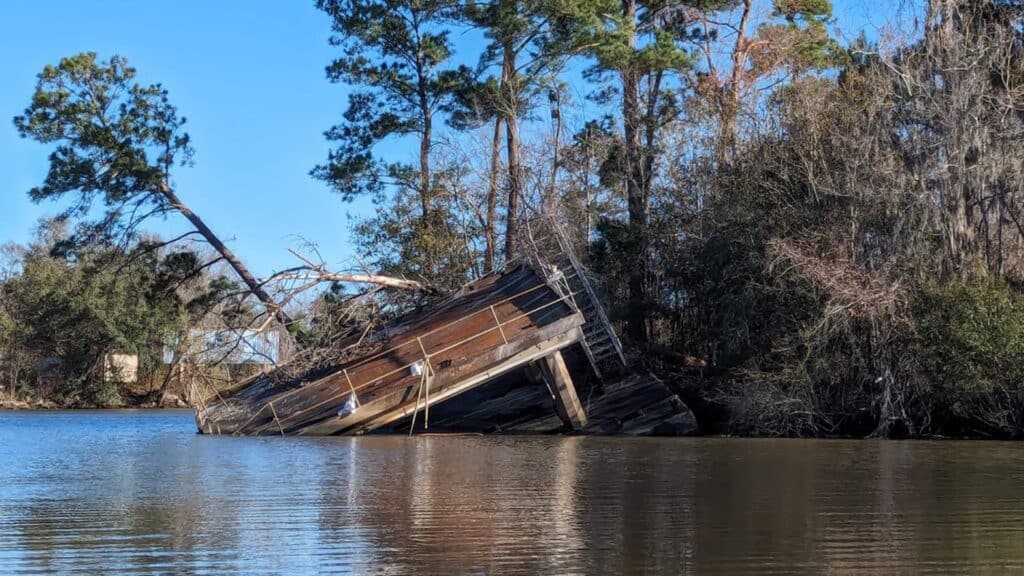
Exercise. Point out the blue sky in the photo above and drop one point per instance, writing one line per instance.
(249, 76)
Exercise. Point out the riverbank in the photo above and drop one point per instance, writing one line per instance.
(507, 406)
(142, 403)
(10, 404)
(687, 425)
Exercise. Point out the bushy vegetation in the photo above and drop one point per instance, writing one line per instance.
(855, 267)
(970, 347)
(63, 311)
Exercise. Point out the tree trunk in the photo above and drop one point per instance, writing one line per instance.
(636, 198)
(556, 115)
(425, 158)
(385, 281)
(247, 277)
(730, 98)
(515, 169)
(491, 225)
(727, 129)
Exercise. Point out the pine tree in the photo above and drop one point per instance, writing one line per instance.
(398, 52)
(794, 39)
(116, 143)
(476, 105)
(642, 43)
(520, 45)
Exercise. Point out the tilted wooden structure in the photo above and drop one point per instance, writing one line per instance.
(526, 313)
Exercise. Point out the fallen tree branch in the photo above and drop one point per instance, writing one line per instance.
(385, 281)
(313, 272)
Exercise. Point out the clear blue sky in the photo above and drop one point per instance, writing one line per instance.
(249, 76)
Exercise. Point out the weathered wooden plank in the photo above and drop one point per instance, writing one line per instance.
(567, 402)
(498, 412)
(461, 368)
(637, 404)
(517, 361)
(669, 417)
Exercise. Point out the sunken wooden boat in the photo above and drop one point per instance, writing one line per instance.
(520, 318)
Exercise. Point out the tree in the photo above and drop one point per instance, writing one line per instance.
(10, 340)
(793, 40)
(593, 178)
(520, 46)
(641, 43)
(401, 244)
(116, 142)
(475, 105)
(397, 50)
(95, 299)
(964, 147)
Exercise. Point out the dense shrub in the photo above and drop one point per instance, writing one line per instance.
(68, 307)
(970, 346)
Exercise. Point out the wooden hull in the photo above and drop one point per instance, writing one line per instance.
(497, 324)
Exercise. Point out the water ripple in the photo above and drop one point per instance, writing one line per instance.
(139, 493)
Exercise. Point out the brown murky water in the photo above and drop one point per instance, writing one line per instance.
(139, 493)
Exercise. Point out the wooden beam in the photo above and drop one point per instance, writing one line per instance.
(567, 402)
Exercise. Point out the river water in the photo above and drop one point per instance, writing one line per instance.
(140, 493)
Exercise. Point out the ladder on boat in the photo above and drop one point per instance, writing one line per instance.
(600, 343)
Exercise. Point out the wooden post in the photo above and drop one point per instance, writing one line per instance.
(560, 382)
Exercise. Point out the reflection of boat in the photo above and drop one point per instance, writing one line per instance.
(522, 316)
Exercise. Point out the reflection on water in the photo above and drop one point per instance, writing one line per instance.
(139, 493)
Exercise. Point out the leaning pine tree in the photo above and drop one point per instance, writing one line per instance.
(115, 143)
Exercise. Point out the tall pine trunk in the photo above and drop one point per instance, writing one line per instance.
(515, 170)
(729, 102)
(247, 277)
(425, 157)
(636, 196)
(491, 224)
(556, 116)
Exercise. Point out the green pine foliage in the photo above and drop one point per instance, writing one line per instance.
(398, 53)
(114, 140)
